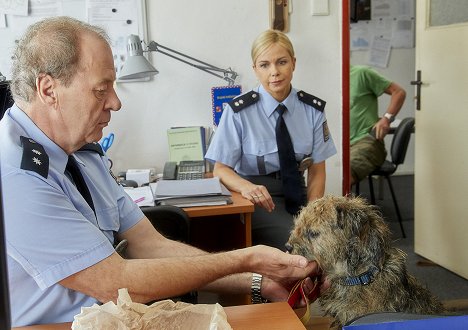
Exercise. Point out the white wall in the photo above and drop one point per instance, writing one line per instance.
(220, 32)
(401, 69)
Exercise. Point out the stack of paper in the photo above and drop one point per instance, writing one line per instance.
(190, 193)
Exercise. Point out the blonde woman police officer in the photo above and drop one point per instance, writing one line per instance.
(245, 148)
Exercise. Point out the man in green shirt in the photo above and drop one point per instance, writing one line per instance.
(367, 130)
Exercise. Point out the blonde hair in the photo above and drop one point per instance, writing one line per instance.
(267, 38)
(51, 47)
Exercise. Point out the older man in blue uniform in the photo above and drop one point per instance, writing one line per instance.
(64, 211)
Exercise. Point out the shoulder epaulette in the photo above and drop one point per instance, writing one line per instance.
(95, 147)
(311, 100)
(244, 101)
(34, 157)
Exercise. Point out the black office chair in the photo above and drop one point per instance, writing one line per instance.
(173, 223)
(398, 150)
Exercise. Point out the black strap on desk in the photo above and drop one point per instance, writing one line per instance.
(291, 177)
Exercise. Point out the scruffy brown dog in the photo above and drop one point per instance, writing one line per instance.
(351, 243)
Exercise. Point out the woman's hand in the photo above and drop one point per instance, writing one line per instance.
(258, 195)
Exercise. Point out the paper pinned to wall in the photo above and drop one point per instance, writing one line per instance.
(17, 7)
(380, 52)
(119, 19)
(98, 12)
(390, 19)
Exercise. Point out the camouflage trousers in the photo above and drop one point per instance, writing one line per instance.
(366, 155)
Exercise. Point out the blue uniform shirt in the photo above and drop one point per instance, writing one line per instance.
(245, 138)
(51, 232)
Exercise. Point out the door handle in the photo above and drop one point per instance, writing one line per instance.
(418, 84)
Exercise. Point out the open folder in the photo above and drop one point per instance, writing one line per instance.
(191, 193)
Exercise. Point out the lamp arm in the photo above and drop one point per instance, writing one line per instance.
(228, 74)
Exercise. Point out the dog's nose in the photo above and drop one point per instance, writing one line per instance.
(288, 247)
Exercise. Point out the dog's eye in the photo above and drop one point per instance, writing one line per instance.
(311, 234)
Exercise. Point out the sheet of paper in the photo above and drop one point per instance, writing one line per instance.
(140, 176)
(120, 19)
(380, 52)
(361, 35)
(143, 196)
(38, 10)
(16, 7)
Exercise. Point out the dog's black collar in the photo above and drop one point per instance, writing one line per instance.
(362, 279)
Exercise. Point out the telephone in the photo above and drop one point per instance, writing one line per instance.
(186, 170)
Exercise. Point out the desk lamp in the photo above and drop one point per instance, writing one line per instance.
(137, 66)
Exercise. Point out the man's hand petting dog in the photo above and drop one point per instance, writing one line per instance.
(274, 291)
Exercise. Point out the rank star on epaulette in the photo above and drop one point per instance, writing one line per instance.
(243, 101)
(34, 157)
(311, 100)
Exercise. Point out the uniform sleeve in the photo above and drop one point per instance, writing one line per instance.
(130, 213)
(226, 145)
(324, 147)
(45, 233)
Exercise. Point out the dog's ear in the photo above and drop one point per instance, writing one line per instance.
(375, 236)
(350, 220)
(368, 235)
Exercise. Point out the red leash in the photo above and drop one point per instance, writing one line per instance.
(297, 292)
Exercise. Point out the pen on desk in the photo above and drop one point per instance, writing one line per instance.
(141, 199)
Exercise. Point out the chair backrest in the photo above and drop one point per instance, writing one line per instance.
(171, 221)
(6, 100)
(401, 140)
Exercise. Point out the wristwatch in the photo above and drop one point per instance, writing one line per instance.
(390, 117)
(255, 289)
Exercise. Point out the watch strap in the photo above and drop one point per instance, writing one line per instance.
(255, 289)
(389, 116)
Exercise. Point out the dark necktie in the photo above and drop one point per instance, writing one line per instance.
(74, 171)
(292, 180)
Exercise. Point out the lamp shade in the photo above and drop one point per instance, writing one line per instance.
(136, 65)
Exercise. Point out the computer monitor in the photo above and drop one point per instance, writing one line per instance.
(5, 317)
(6, 101)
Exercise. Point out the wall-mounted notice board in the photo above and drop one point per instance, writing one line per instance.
(119, 18)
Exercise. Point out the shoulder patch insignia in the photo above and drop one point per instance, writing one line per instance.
(243, 101)
(95, 147)
(34, 157)
(311, 100)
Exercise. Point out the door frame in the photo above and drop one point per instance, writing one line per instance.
(345, 57)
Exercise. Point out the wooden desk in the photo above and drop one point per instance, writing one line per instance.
(224, 227)
(274, 316)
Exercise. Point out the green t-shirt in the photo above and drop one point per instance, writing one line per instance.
(366, 85)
